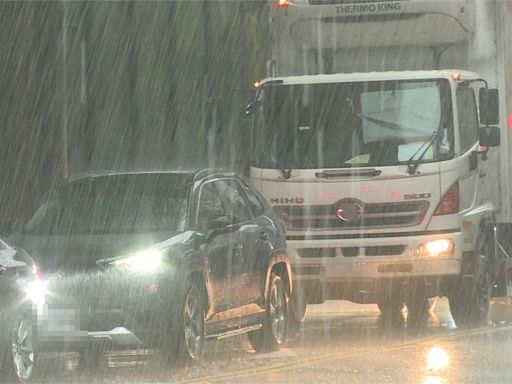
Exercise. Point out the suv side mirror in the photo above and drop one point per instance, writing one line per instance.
(489, 106)
(219, 222)
(490, 136)
(216, 225)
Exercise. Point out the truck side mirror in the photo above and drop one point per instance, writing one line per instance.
(490, 136)
(489, 106)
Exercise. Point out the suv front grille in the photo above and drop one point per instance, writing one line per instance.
(374, 215)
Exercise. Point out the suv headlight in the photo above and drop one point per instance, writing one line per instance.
(36, 291)
(141, 262)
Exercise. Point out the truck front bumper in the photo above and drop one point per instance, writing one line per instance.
(366, 260)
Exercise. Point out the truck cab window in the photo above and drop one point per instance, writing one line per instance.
(468, 118)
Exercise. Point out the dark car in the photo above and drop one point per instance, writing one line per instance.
(163, 259)
(20, 285)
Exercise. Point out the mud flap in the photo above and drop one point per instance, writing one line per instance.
(503, 285)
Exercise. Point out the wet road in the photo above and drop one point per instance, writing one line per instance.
(339, 342)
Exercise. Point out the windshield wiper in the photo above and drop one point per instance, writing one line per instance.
(348, 173)
(390, 125)
(412, 164)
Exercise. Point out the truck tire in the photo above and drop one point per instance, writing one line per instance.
(275, 322)
(432, 301)
(418, 308)
(391, 307)
(469, 304)
(298, 306)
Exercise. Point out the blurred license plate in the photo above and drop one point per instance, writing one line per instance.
(402, 267)
(63, 319)
(61, 324)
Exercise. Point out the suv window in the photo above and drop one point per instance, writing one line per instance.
(468, 118)
(255, 204)
(210, 206)
(233, 199)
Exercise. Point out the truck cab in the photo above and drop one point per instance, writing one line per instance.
(384, 168)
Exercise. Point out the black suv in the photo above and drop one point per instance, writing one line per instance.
(163, 259)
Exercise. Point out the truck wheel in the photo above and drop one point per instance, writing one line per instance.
(391, 310)
(432, 301)
(298, 306)
(469, 304)
(383, 306)
(418, 308)
(191, 329)
(391, 306)
(275, 323)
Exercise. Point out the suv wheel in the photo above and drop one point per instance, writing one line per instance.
(23, 354)
(273, 333)
(192, 331)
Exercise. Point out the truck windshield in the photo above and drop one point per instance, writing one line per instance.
(337, 125)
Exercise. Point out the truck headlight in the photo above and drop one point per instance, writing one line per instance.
(36, 291)
(141, 262)
(435, 248)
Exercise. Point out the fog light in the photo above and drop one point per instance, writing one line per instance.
(436, 248)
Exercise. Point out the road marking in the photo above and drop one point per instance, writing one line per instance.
(304, 362)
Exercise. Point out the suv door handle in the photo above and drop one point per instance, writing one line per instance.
(264, 236)
(236, 250)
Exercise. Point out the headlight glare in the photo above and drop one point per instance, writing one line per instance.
(142, 262)
(436, 248)
(36, 291)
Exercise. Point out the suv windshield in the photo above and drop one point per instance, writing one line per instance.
(351, 124)
(115, 204)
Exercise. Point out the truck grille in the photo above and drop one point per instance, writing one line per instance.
(374, 215)
(380, 250)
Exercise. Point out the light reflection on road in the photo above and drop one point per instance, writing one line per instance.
(339, 342)
(437, 359)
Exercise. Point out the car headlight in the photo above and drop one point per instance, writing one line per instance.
(436, 248)
(141, 262)
(36, 291)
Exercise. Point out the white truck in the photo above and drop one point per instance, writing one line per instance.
(381, 139)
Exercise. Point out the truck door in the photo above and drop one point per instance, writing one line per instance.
(483, 167)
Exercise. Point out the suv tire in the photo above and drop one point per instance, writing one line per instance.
(275, 323)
